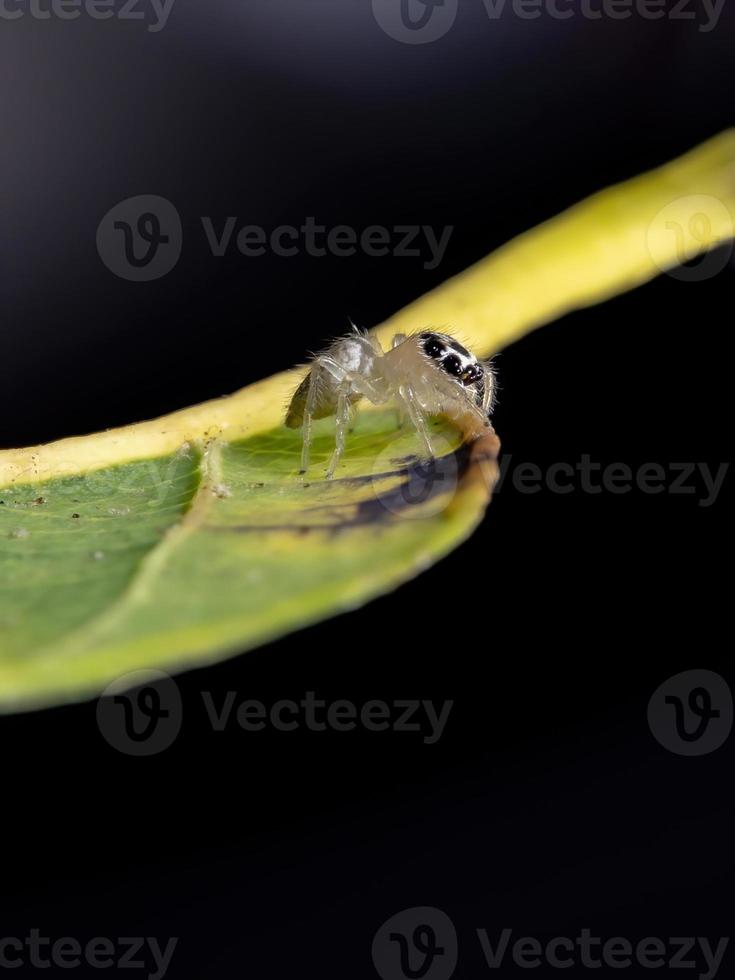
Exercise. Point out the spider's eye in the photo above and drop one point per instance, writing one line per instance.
(432, 346)
(471, 375)
(452, 365)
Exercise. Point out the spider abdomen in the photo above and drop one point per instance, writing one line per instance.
(355, 355)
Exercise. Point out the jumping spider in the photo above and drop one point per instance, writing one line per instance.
(426, 374)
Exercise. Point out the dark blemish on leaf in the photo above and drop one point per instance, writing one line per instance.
(357, 481)
(75, 515)
(423, 481)
(40, 500)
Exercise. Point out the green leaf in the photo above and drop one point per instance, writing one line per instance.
(174, 560)
(173, 542)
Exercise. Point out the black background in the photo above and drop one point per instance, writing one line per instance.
(547, 806)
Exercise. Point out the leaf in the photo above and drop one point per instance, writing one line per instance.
(173, 542)
(218, 546)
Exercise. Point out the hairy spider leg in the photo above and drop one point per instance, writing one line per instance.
(416, 416)
(307, 421)
(346, 381)
(487, 397)
(401, 413)
(341, 422)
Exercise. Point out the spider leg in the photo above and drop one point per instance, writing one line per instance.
(308, 414)
(351, 383)
(341, 422)
(489, 381)
(398, 339)
(323, 365)
(416, 416)
(345, 384)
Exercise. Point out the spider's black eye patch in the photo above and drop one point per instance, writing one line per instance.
(455, 345)
(452, 365)
(432, 345)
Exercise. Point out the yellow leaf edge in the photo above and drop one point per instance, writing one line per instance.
(611, 242)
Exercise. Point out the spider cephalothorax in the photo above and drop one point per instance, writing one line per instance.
(426, 374)
(456, 361)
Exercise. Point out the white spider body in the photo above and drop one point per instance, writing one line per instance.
(425, 374)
